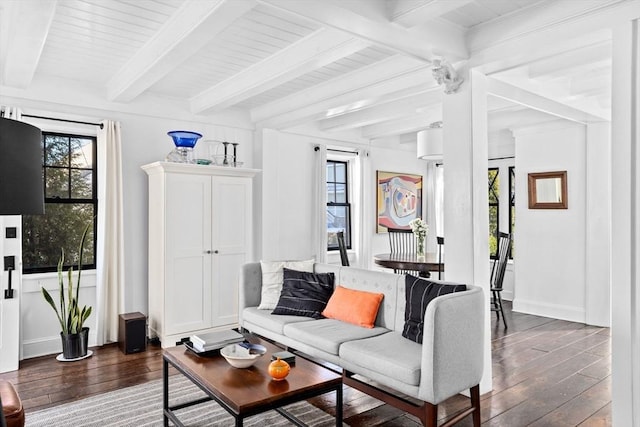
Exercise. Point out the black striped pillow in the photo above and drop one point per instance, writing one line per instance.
(419, 293)
(304, 294)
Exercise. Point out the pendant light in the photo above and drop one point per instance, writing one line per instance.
(429, 142)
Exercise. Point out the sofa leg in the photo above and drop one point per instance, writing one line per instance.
(475, 403)
(430, 415)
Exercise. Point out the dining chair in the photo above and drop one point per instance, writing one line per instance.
(403, 242)
(497, 274)
(440, 241)
(343, 249)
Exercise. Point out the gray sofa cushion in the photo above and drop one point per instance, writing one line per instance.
(328, 334)
(391, 353)
(270, 321)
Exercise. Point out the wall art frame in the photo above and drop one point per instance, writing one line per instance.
(398, 199)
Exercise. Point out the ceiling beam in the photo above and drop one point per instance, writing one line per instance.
(380, 112)
(385, 34)
(547, 29)
(29, 23)
(318, 49)
(187, 31)
(578, 58)
(373, 74)
(537, 102)
(510, 119)
(358, 95)
(411, 123)
(411, 13)
(531, 19)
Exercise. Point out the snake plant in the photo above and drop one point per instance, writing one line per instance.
(70, 316)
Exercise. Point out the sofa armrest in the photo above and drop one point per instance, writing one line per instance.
(452, 347)
(250, 291)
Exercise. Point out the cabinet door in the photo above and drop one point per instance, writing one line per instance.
(188, 257)
(231, 221)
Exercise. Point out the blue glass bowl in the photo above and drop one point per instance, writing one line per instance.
(184, 138)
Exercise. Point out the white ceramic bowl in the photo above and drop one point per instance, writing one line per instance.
(240, 356)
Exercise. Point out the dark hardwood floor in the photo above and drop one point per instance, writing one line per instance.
(546, 372)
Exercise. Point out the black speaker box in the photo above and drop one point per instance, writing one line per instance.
(132, 333)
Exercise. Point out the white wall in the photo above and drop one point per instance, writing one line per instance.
(550, 243)
(287, 183)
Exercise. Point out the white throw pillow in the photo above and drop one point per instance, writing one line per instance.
(273, 276)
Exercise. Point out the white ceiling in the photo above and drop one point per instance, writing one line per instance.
(360, 67)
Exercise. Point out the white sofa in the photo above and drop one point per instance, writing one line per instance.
(449, 361)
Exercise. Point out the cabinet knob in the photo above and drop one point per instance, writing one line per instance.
(207, 251)
(216, 251)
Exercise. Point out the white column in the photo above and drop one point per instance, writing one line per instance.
(625, 220)
(598, 220)
(466, 229)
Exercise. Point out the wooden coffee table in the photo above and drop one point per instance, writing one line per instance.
(250, 391)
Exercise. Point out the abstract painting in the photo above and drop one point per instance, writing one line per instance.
(399, 200)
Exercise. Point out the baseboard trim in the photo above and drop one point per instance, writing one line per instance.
(556, 311)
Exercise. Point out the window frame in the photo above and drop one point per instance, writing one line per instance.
(93, 201)
(512, 205)
(347, 184)
(495, 204)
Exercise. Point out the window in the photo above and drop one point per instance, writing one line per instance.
(494, 210)
(70, 186)
(338, 206)
(512, 205)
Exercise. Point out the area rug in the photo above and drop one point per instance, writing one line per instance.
(141, 406)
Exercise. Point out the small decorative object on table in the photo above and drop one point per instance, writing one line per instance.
(215, 340)
(242, 355)
(184, 141)
(420, 230)
(288, 357)
(279, 369)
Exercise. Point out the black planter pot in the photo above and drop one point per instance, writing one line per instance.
(75, 345)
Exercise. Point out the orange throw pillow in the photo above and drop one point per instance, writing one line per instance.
(353, 306)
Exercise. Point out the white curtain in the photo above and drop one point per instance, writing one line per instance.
(365, 205)
(320, 209)
(110, 250)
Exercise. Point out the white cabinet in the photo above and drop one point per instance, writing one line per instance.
(200, 234)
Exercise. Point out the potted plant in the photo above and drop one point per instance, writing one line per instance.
(75, 336)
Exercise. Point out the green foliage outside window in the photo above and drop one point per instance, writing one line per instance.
(494, 210)
(69, 174)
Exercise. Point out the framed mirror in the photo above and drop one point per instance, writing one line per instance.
(548, 190)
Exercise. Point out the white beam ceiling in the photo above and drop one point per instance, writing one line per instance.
(386, 34)
(408, 105)
(320, 48)
(411, 13)
(300, 107)
(358, 80)
(575, 59)
(29, 24)
(194, 25)
(406, 124)
(537, 102)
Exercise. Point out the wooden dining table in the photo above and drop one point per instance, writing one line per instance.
(423, 265)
